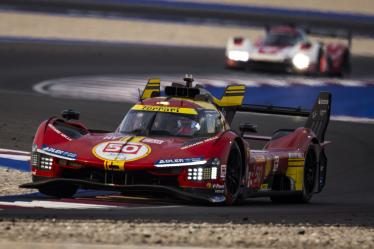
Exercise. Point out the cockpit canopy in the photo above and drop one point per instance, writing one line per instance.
(160, 123)
(283, 36)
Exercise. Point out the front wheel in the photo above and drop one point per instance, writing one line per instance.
(233, 174)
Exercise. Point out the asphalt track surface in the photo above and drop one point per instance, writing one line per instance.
(347, 199)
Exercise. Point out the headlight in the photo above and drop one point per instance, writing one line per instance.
(46, 162)
(238, 55)
(301, 61)
(202, 174)
(209, 172)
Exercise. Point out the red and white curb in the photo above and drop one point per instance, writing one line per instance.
(15, 154)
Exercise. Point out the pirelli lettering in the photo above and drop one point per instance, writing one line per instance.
(151, 108)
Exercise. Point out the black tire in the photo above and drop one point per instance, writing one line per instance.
(233, 174)
(59, 190)
(309, 181)
(346, 65)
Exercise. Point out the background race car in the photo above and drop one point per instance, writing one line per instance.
(288, 49)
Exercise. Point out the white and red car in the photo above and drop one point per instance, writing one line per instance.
(288, 49)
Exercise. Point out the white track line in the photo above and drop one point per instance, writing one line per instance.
(15, 157)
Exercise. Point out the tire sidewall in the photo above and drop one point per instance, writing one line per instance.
(231, 198)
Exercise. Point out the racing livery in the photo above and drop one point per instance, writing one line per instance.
(181, 144)
(288, 49)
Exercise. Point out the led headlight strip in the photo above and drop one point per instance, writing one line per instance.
(193, 163)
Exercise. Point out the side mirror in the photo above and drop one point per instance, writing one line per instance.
(248, 127)
(70, 114)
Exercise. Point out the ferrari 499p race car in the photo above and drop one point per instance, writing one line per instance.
(181, 145)
(288, 49)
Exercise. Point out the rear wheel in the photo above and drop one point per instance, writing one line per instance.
(233, 174)
(309, 181)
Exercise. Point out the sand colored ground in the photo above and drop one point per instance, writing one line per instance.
(16, 24)
(357, 6)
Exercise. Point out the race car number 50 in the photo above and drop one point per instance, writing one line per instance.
(121, 151)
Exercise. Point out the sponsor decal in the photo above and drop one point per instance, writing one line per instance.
(121, 151)
(296, 159)
(260, 158)
(113, 137)
(276, 163)
(322, 113)
(218, 198)
(114, 165)
(255, 177)
(59, 132)
(200, 142)
(323, 101)
(223, 171)
(152, 141)
(59, 153)
(218, 188)
(156, 108)
(295, 155)
(174, 162)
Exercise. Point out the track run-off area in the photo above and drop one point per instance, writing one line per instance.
(39, 80)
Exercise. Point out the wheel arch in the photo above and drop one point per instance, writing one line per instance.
(242, 148)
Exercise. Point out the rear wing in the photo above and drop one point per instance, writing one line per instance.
(317, 119)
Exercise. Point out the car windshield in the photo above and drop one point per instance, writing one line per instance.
(281, 39)
(170, 124)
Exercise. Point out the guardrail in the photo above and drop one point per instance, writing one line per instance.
(321, 23)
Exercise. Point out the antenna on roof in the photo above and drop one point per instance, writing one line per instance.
(140, 96)
(188, 79)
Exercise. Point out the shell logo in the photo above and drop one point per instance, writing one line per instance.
(121, 151)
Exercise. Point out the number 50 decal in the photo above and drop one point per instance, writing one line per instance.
(121, 151)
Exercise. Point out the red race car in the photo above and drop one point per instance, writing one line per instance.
(181, 144)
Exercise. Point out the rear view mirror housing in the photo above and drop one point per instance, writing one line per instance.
(247, 127)
(70, 114)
